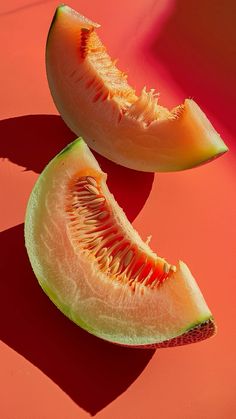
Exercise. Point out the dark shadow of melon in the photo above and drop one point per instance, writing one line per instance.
(32, 141)
(91, 371)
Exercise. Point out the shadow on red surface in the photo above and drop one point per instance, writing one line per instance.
(92, 372)
(32, 141)
(197, 45)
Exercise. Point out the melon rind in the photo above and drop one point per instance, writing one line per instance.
(114, 131)
(169, 315)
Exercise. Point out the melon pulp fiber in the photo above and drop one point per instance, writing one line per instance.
(96, 101)
(95, 267)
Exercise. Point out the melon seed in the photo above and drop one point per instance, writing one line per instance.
(92, 189)
(91, 180)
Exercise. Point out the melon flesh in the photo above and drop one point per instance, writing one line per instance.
(167, 312)
(96, 101)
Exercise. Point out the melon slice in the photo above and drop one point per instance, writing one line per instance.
(95, 267)
(96, 102)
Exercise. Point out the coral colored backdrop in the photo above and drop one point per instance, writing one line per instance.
(49, 367)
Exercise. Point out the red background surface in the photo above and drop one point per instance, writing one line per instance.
(49, 367)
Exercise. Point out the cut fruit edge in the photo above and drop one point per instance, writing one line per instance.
(95, 100)
(136, 300)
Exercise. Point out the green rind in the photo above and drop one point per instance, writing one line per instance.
(183, 337)
(198, 333)
(63, 308)
(220, 152)
(76, 143)
(55, 16)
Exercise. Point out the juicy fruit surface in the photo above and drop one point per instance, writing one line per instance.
(96, 101)
(93, 227)
(95, 267)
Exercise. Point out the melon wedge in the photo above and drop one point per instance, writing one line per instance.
(95, 267)
(96, 102)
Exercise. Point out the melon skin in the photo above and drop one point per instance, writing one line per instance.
(174, 314)
(196, 333)
(121, 126)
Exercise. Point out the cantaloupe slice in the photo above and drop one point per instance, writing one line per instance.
(95, 267)
(96, 101)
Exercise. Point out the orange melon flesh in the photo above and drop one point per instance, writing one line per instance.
(96, 101)
(95, 267)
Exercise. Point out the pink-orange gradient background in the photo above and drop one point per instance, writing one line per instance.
(50, 368)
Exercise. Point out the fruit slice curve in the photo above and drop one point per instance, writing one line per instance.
(95, 267)
(96, 101)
